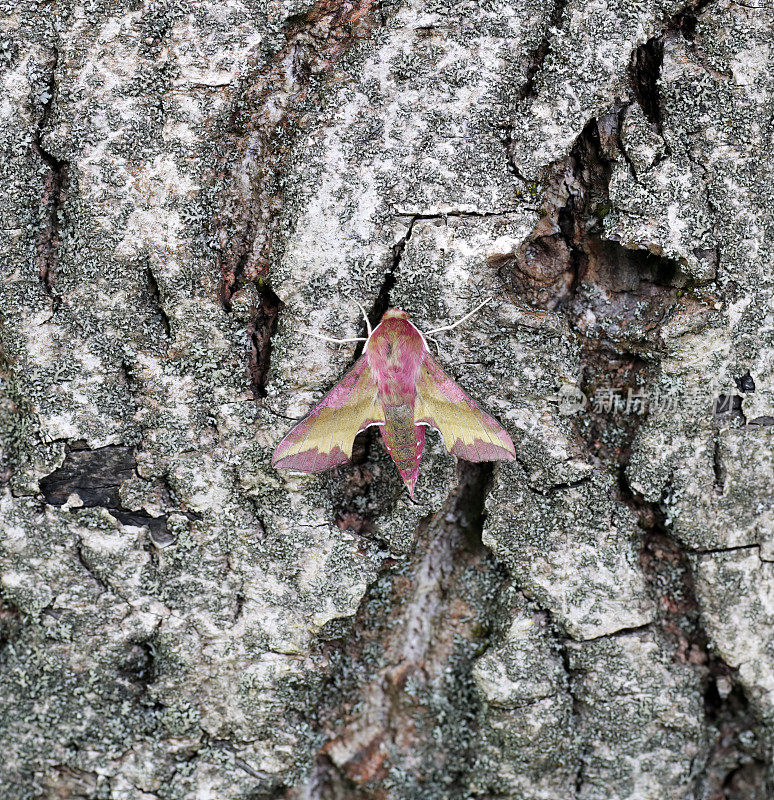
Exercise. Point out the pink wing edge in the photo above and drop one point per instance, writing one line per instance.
(314, 460)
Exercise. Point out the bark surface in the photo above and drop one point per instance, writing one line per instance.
(188, 189)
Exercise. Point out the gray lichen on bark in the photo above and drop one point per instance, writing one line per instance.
(189, 189)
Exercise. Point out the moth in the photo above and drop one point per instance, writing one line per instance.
(397, 385)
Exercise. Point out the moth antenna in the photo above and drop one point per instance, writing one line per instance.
(365, 316)
(461, 320)
(335, 341)
(435, 342)
(439, 350)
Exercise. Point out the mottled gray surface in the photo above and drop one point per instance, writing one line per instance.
(189, 188)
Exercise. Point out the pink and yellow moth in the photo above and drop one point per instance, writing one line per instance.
(397, 385)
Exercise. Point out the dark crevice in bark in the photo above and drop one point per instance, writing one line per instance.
(10, 623)
(398, 697)
(146, 670)
(156, 303)
(265, 117)
(616, 301)
(83, 561)
(50, 234)
(686, 19)
(728, 407)
(239, 605)
(647, 61)
(667, 570)
(234, 276)
(730, 721)
(747, 781)
(510, 161)
(645, 72)
(538, 55)
(138, 669)
(382, 300)
(614, 298)
(245, 227)
(621, 632)
(129, 380)
(456, 214)
(746, 384)
(547, 269)
(536, 60)
(96, 476)
(728, 412)
(554, 487)
(717, 469)
(578, 711)
(260, 329)
(360, 491)
(720, 550)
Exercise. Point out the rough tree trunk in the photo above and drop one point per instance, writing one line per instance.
(189, 187)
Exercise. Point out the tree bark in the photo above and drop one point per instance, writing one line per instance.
(190, 190)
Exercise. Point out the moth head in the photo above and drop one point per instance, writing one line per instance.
(395, 313)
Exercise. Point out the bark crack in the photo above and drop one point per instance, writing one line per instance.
(424, 621)
(10, 622)
(645, 71)
(536, 60)
(577, 715)
(49, 237)
(95, 575)
(717, 468)
(460, 214)
(568, 265)
(538, 55)
(95, 477)
(669, 574)
(720, 550)
(265, 117)
(260, 329)
(157, 303)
